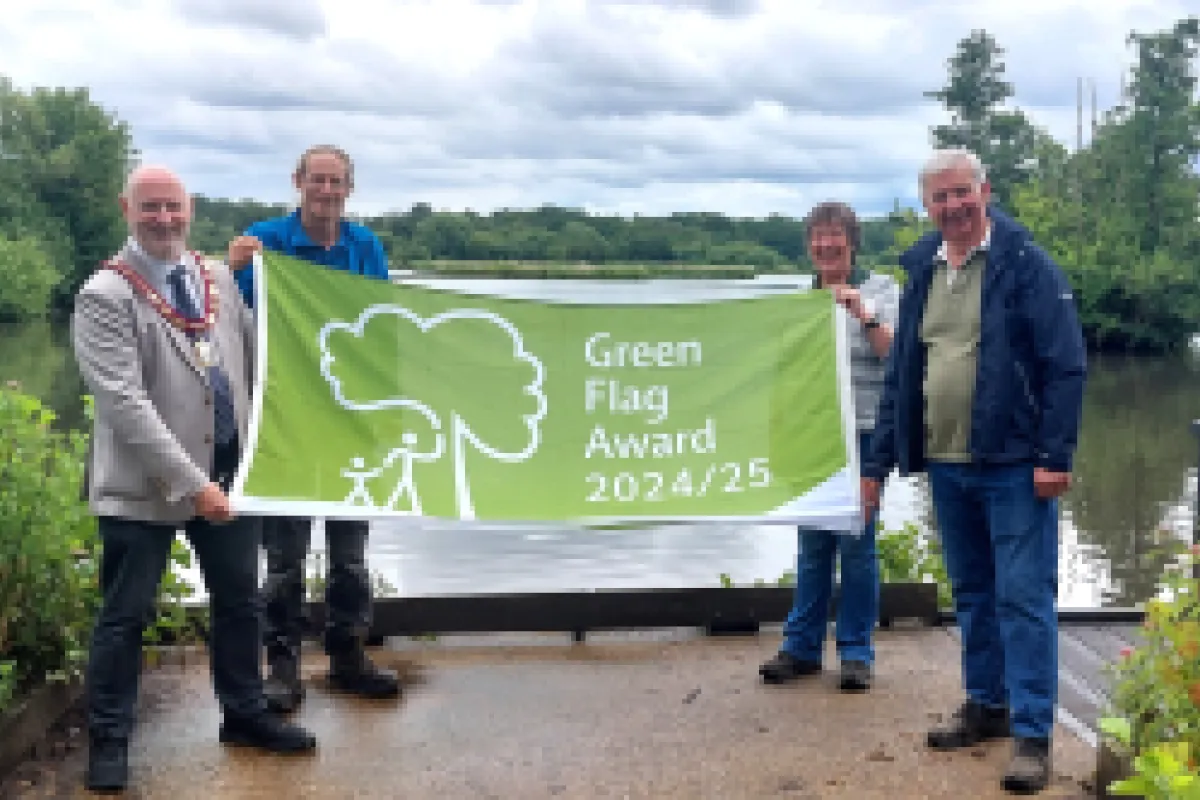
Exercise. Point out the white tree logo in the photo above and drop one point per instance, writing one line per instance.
(405, 497)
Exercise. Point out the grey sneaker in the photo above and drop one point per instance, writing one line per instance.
(970, 724)
(855, 677)
(786, 667)
(1029, 770)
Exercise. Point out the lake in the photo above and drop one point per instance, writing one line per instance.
(1135, 491)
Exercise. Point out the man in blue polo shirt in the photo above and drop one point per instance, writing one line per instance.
(317, 232)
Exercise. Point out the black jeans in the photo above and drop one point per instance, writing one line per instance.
(347, 590)
(131, 567)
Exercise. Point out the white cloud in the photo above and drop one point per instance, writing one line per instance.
(741, 106)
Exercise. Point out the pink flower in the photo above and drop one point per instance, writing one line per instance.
(1126, 652)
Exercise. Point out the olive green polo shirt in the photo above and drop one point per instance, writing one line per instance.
(950, 332)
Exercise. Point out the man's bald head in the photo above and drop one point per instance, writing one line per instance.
(157, 210)
(150, 175)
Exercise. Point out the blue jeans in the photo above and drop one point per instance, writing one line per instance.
(1000, 543)
(858, 605)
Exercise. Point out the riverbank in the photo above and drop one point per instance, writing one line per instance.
(646, 715)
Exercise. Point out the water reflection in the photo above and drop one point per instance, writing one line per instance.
(1135, 493)
(1135, 489)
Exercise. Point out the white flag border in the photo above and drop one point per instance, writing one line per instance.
(840, 509)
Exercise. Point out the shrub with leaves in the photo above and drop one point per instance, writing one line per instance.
(910, 555)
(48, 548)
(50, 553)
(1155, 699)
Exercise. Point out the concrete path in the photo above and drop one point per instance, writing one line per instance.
(620, 716)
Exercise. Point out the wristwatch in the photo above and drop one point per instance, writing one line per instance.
(872, 320)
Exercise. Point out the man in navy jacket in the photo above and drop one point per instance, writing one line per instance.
(984, 393)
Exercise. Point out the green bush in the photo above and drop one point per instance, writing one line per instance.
(910, 555)
(27, 278)
(50, 553)
(1154, 713)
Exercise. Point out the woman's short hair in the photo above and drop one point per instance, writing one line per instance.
(834, 214)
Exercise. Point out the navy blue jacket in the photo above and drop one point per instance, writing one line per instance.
(1032, 363)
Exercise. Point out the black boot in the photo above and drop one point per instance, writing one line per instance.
(785, 667)
(1029, 770)
(970, 724)
(108, 765)
(353, 673)
(267, 732)
(283, 687)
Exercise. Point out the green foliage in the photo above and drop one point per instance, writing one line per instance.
(8, 683)
(566, 242)
(1130, 458)
(1128, 299)
(65, 160)
(1162, 772)
(1155, 700)
(908, 555)
(49, 552)
(316, 580)
(27, 278)
(172, 623)
(911, 555)
(1005, 140)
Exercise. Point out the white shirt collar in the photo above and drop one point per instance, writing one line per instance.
(944, 256)
(159, 263)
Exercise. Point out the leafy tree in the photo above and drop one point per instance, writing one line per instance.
(1120, 215)
(27, 278)
(975, 90)
(69, 156)
(1160, 132)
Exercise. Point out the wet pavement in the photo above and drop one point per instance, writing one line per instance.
(647, 715)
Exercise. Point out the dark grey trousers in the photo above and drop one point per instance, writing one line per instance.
(347, 587)
(132, 562)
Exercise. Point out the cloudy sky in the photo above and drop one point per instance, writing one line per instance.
(619, 106)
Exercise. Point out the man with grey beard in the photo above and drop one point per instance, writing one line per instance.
(165, 346)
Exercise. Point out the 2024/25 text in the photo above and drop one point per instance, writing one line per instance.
(728, 478)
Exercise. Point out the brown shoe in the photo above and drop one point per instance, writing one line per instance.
(1029, 770)
(970, 724)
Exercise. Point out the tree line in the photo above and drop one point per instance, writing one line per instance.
(1118, 212)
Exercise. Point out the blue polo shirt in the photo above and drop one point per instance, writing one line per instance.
(357, 250)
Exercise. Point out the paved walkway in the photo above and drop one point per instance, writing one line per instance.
(629, 716)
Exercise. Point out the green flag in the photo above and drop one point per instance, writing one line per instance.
(548, 400)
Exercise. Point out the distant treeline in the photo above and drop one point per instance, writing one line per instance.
(565, 236)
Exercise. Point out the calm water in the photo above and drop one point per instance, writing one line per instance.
(1135, 492)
